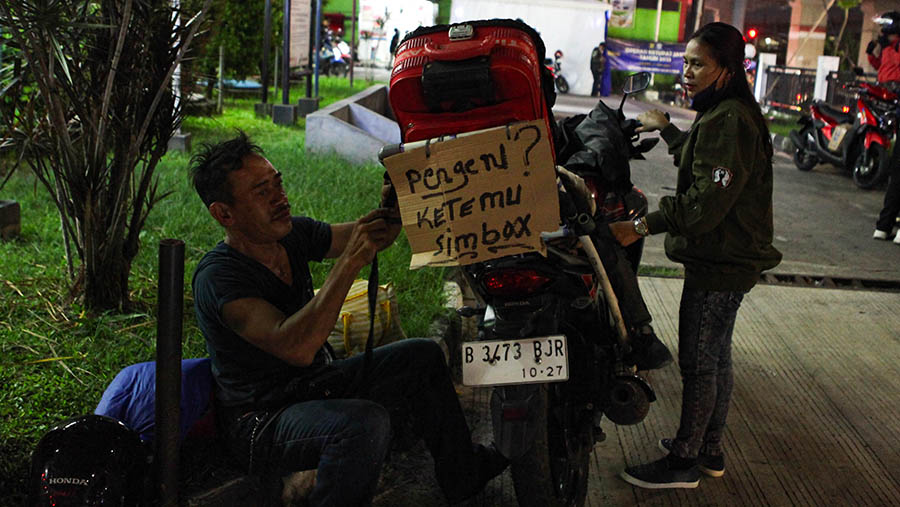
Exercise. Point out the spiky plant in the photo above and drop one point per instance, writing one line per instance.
(90, 109)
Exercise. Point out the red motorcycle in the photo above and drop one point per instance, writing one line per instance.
(859, 142)
(555, 66)
(876, 126)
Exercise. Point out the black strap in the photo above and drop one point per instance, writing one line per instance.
(359, 385)
(373, 302)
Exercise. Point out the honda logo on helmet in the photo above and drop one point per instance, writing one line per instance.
(54, 481)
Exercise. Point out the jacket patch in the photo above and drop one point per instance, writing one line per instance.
(722, 176)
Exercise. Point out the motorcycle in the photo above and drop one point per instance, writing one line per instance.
(555, 66)
(858, 142)
(334, 58)
(551, 342)
(822, 136)
(340, 64)
(876, 126)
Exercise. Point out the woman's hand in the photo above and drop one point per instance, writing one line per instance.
(624, 232)
(651, 120)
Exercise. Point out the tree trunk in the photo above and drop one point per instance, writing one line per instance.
(107, 263)
(106, 285)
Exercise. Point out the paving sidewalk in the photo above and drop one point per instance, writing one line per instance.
(815, 416)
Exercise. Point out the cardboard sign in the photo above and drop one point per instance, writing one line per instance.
(474, 198)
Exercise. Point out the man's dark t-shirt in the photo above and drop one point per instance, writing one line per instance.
(245, 374)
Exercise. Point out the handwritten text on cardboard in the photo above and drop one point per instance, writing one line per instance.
(477, 197)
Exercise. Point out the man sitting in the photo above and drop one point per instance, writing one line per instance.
(284, 403)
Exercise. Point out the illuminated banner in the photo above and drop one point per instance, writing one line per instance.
(622, 15)
(638, 55)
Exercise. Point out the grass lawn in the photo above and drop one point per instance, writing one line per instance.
(57, 360)
(782, 123)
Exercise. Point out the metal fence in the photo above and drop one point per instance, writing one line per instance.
(837, 95)
(789, 88)
(792, 88)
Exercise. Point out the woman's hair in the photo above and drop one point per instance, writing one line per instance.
(726, 45)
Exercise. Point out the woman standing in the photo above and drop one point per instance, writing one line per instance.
(719, 225)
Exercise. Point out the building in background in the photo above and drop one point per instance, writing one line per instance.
(574, 27)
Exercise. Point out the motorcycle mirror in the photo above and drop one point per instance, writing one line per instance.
(636, 83)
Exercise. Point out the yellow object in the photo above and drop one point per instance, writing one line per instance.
(352, 327)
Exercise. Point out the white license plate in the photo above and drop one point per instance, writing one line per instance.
(541, 359)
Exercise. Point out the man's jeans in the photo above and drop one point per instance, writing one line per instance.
(347, 439)
(706, 322)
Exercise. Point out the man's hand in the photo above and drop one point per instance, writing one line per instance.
(651, 120)
(624, 232)
(371, 233)
(870, 48)
(393, 224)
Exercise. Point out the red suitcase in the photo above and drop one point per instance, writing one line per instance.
(449, 79)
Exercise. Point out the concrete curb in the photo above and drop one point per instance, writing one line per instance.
(355, 128)
(783, 144)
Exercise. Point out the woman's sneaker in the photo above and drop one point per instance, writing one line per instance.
(662, 474)
(713, 466)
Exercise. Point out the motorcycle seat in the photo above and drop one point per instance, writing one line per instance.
(834, 112)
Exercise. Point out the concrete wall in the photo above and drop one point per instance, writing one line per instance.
(804, 14)
(806, 41)
(354, 128)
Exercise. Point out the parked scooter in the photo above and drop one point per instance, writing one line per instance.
(859, 142)
(869, 155)
(340, 64)
(562, 85)
(334, 57)
(822, 136)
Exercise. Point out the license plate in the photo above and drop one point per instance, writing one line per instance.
(531, 360)
(836, 137)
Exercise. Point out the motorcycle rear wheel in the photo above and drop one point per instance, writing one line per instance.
(554, 473)
(339, 69)
(871, 167)
(562, 85)
(805, 159)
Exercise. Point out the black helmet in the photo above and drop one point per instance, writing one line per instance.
(89, 460)
(890, 23)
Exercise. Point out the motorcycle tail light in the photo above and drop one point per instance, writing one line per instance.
(516, 282)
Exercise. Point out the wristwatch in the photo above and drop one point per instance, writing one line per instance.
(640, 226)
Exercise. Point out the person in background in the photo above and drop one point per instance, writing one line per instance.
(395, 40)
(283, 402)
(718, 224)
(598, 64)
(884, 55)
